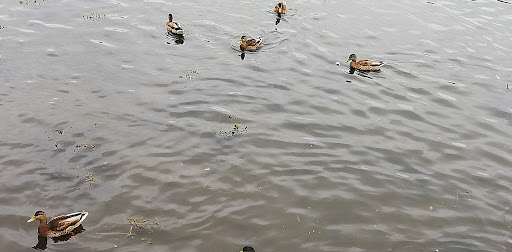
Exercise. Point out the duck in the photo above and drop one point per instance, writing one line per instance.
(247, 249)
(249, 44)
(280, 8)
(363, 65)
(174, 27)
(59, 225)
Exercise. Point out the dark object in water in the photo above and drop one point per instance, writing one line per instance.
(247, 249)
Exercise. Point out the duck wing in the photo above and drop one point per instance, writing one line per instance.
(365, 62)
(252, 42)
(173, 25)
(64, 224)
(368, 68)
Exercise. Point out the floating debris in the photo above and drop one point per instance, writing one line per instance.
(84, 146)
(141, 223)
(462, 200)
(237, 129)
(189, 74)
(31, 2)
(92, 17)
(207, 182)
(89, 178)
(56, 132)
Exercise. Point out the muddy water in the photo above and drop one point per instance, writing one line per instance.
(285, 151)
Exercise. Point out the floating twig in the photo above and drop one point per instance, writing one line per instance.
(208, 182)
(130, 232)
(142, 223)
(112, 233)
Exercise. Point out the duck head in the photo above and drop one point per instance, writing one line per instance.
(242, 39)
(39, 215)
(352, 57)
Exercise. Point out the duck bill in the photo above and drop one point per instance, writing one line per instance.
(32, 219)
(347, 60)
(239, 41)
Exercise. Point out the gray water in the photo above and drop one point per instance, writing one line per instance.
(284, 151)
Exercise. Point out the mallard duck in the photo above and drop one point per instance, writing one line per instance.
(280, 8)
(363, 65)
(249, 44)
(247, 249)
(174, 27)
(59, 225)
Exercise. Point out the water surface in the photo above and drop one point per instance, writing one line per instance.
(285, 151)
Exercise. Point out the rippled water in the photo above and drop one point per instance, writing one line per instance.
(285, 151)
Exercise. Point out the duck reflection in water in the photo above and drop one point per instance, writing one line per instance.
(42, 241)
(178, 39)
(278, 19)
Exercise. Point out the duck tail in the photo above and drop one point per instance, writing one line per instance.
(84, 215)
(379, 64)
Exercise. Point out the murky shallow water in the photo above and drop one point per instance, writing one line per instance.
(285, 151)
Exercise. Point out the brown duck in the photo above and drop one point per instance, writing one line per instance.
(364, 65)
(280, 8)
(249, 44)
(174, 27)
(59, 225)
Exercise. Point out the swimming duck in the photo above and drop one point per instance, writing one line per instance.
(280, 8)
(363, 65)
(59, 225)
(174, 27)
(248, 249)
(249, 44)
